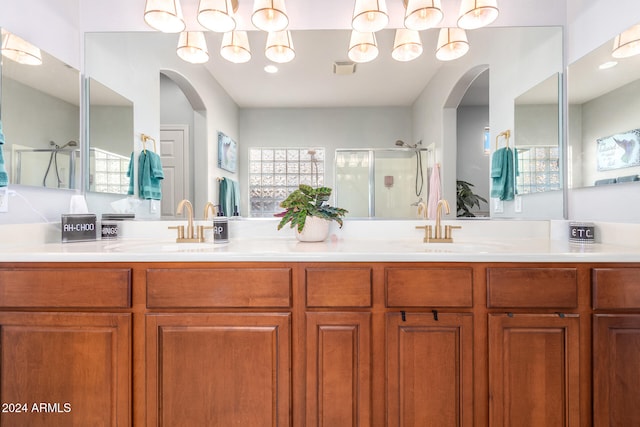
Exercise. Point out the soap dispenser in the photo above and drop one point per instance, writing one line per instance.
(220, 228)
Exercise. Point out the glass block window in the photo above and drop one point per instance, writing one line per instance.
(108, 172)
(275, 172)
(538, 168)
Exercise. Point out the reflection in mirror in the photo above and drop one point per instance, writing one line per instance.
(110, 139)
(41, 121)
(359, 111)
(383, 182)
(537, 136)
(604, 130)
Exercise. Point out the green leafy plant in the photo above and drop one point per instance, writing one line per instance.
(466, 199)
(308, 201)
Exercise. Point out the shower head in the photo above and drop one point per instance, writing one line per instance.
(70, 144)
(401, 143)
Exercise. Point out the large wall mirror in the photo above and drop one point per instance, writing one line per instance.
(110, 122)
(537, 137)
(40, 118)
(604, 125)
(340, 119)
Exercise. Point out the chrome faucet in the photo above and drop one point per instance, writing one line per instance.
(439, 237)
(190, 235)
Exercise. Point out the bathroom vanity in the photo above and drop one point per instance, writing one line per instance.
(300, 338)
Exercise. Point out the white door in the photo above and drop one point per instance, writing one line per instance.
(174, 153)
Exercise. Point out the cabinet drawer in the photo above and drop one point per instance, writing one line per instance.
(338, 287)
(616, 288)
(65, 288)
(532, 287)
(219, 287)
(429, 287)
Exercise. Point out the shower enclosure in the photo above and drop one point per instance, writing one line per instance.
(382, 182)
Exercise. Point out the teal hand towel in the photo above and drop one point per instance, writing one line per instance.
(130, 176)
(150, 176)
(236, 198)
(4, 176)
(503, 174)
(224, 194)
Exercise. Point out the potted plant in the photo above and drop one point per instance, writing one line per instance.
(307, 210)
(466, 199)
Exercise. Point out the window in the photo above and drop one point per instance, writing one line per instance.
(276, 172)
(538, 169)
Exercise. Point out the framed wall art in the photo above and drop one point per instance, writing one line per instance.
(618, 151)
(227, 153)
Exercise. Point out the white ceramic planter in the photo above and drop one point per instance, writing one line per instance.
(315, 230)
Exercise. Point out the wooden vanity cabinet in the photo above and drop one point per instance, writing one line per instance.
(65, 337)
(218, 347)
(616, 347)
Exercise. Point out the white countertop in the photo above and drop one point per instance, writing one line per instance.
(256, 242)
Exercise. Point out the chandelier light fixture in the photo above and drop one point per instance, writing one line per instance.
(362, 47)
(235, 47)
(477, 13)
(269, 15)
(422, 14)
(20, 50)
(452, 44)
(627, 43)
(192, 47)
(280, 47)
(164, 15)
(407, 45)
(369, 16)
(217, 15)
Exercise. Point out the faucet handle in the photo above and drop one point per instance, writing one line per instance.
(427, 232)
(180, 229)
(201, 229)
(447, 230)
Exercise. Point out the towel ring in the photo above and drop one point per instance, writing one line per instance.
(146, 138)
(506, 134)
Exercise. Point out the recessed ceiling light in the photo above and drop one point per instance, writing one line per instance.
(608, 64)
(271, 69)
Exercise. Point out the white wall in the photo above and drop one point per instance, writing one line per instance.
(592, 23)
(330, 128)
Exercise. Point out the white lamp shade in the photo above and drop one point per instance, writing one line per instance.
(20, 50)
(164, 15)
(362, 47)
(280, 47)
(269, 15)
(477, 13)
(369, 16)
(192, 47)
(452, 44)
(235, 47)
(216, 15)
(423, 14)
(627, 43)
(407, 45)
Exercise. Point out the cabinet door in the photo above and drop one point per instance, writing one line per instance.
(429, 369)
(534, 370)
(616, 374)
(224, 369)
(338, 369)
(60, 369)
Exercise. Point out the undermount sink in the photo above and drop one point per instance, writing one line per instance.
(464, 247)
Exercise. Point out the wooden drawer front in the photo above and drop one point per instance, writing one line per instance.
(65, 288)
(338, 287)
(532, 287)
(429, 287)
(616, 288)
(219, 287)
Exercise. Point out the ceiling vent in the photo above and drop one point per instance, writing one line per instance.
(344, 68)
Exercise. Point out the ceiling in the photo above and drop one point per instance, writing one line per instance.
(308, 80)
